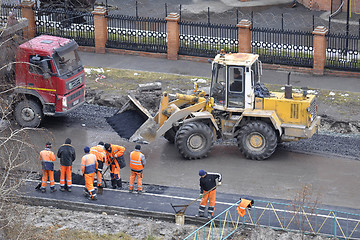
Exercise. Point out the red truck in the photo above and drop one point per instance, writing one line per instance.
(49, 79)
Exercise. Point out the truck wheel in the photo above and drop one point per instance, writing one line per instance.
(28, 114)
(257, 140)
(194, 140)
(170, 135)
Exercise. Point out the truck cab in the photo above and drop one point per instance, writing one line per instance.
(49, 79)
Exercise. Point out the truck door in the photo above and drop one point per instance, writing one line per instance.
(40, 77)
(236, 87)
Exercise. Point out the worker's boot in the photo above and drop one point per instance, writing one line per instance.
(113, 183)
(119, 183)
(62, 189)
(210, 212)
(43, 190)
(201, 211)
(52, 189)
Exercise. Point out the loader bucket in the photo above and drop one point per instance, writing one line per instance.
(134, 122)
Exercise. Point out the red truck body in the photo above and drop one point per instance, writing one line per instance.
(49, 74)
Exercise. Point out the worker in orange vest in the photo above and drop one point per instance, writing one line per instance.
(89, 166)
(100, 153)
(137, 163)
(47, 158)
(208, 192)
(244, 203)
(115, 158)
(67, 156)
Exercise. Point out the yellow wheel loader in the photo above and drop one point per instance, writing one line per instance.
(237, 107)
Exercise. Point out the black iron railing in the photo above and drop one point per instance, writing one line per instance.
(5, 10)
(68, 24)
(136, 33)
(283, 46)
(205, 39)
(343, 52)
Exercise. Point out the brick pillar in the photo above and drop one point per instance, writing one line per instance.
(100, 24)
(27, 10)
(244, 36)
(173, 35)
(319, 49)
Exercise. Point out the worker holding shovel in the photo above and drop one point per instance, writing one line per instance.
(100, 153)
(208, 192)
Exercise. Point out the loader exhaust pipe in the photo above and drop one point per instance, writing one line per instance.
(288, 88)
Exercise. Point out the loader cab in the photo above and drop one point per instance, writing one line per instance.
(233, 79)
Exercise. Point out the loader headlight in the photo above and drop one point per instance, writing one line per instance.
(308, 109)
(64, 102)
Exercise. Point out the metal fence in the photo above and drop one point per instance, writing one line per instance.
(343, 52)
(279, 216)
(68, 24)
(5, 9)
(205, 39)
(286, 47)
(136, 33)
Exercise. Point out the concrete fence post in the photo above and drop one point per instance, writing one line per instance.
(100, 24)
(320, 46)
(27, 10)
(173, 35)
(244, 36)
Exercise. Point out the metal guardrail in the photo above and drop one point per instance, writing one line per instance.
(275, 46)
(205, 40)
(280, 216)
(137, 33)
(68, 24)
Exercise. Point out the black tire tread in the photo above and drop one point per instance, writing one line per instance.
(269, 134)
(37, 109)
(181, 139)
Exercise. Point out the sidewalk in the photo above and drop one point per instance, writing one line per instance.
(198, 69)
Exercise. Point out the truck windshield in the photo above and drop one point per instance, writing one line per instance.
(67, 62)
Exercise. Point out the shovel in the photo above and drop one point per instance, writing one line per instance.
(100, 189)
(179, 214)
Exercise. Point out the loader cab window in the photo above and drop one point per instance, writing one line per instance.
(218, 84)
(256, 71)
(236, 87)
(39, 64)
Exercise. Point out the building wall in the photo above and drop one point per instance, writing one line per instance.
(325, 5)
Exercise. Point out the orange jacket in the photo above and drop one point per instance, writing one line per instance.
(244, 203)
(137, 160)
(116, 151)
(99, 152)
(47, 158)
(89, 164)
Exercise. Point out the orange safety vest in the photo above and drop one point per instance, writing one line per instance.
(241, 209)
(99, 152)
(135, 161)
(47, 159)
(116, 151)
(88, 164)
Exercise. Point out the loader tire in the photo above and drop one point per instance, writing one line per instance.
(170, 135)
(28, 113)
(257, 140)
(194, 140)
